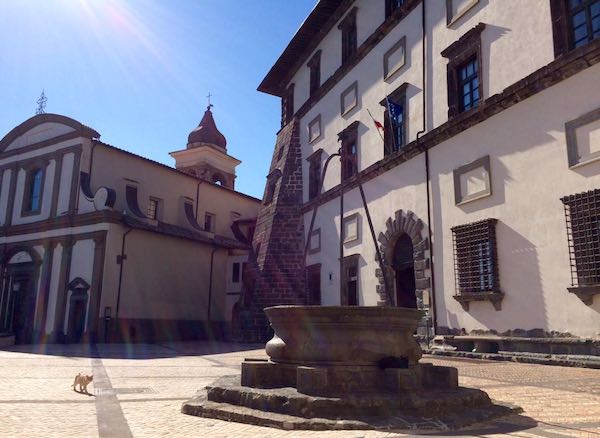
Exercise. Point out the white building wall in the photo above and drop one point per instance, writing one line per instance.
(66, 176)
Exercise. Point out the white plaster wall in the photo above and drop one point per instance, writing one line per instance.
(233, 290)
(54, 288)
(41, 132)
(4, 195)
(530, 174)
(400, 188)
(43, 150)
(66, 175)
(46, 196)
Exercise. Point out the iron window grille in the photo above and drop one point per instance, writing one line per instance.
(582, 215)
(152, 209)
(475, 257)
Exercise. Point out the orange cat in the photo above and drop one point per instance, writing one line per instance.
(83, 381)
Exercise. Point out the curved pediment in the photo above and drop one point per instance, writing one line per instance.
(43, 127)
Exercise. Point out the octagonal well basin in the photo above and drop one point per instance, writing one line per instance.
(343, 335)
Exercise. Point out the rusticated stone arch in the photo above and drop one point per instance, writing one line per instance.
(405, 222)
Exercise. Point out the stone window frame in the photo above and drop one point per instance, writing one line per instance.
(31, 169)
(348, 262)
(467, 240)
(582, 210)
(349, 36)
(157, 208)
(575, 160)
(458, 53)
(316, 121)
(353, 88)
(398, 96)
(387, 73)
(451, 19)
(287, 105)
(311, 249)
(349, 137)
(459, 198)
(355, 217)
(314, 174)
(212, 224)
(561, 28)
(314, 66)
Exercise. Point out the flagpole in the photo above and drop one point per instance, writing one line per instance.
(375, 122)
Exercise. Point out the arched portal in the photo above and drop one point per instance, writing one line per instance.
(18, 294)
(404, 272)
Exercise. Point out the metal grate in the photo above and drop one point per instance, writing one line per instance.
(582, 215)
(475, 260)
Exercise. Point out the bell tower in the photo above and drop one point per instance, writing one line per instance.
(205, 156)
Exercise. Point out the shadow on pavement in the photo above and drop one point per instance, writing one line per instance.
(501, 426)
(135, 351)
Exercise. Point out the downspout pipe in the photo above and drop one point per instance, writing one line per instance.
(427, 174)
(122, 258)
(210, 284)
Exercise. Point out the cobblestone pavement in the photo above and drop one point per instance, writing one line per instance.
(139, 391)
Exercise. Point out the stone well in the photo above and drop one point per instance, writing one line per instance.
(354, 365)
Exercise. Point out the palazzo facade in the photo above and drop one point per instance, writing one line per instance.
(100, 244)
(473, 130)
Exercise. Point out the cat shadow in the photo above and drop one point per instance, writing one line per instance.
(85, 393)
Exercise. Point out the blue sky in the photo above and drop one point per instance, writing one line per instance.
(138, 71)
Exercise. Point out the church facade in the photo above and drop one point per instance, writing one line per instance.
(99, 244)
(471, 129)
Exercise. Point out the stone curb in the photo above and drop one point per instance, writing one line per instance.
(592, 362)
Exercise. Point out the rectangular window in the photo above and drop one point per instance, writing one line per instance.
(349, 149)
(209, 222)
(314, 174)
(584, 21)
(315, 72)
(152, 209)
(394, 120)
(349, 36)
(582, 212)
(475, 260)
(33, 191)
(287, 105)
(350, 281)
(468, 85)
(235, 275)
(313, 282)
(464, 71)
(391, 6)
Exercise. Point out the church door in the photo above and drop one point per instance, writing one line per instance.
(18, 303)
(404, 268)
(77, 312)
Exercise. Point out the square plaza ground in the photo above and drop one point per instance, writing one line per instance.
(139, 390)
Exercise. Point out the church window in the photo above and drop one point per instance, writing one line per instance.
(582, 213)
(349, 36)
(33, 191)
(315, 72)
(152, 212)
(209, 222)
(475, 259)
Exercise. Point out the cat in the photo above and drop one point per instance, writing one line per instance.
(83, 381)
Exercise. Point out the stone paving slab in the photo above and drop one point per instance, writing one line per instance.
(36, 399)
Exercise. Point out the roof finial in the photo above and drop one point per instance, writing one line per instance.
(41, 109)
(210, 105)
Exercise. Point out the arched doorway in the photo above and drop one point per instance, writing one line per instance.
(18, 294)
(404, 269)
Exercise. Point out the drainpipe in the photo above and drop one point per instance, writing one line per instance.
(427, 175)
(121, 259)
(210, 282)
(197, 198)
